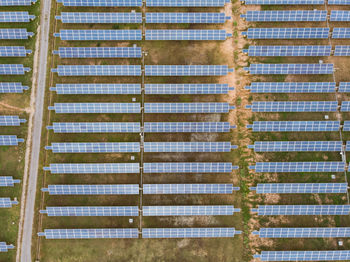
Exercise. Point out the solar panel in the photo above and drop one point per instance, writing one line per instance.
(189, 167)
(170, 189)
(187, 3)
(294, 106)
(299, 167)
(289, 50)
(6, 202)
(12, 87)
(95, 108)
(100, 3)
(203, 232)
(11, 121)
(96, 89)
(8, 181)
(187, 108)
(295, 126)
(297, 146)
(118, 147)
(302, 210)
(339, 16)
(179, 89)
(90, 233)
(292, 87)
(186, 18)
(97, 70)
(284, 2)
(99, 52)
(187, 147)
(187, 127)
(285, 16)
(96, 168)
(3, 246)
(341, 33)
(13, 69)
(302, 188)
(121, 189)
(346, 126)
(95, 127)
(186, 35)
(294, 69)
(16, 2)
(347, 148)
(14, 51)
(222, 210)
(342, 50)
(98, 211)
(287, 33)
(15, 17)
(100, 18)
(93, 35)
(303, 232)
(338, 2)
(10, 140)
(14, 33)
(304, 255)
(345, 106)
(187, 70)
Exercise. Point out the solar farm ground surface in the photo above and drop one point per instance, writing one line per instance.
(12, 157)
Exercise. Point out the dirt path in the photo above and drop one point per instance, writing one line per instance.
(14, 108)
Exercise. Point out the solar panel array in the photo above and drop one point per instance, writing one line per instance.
(15, 17)
(301, 188)
(186, 35)
(16, 2)
(222, 210)
(189, 232)
(95, 108)
(294, 106)
(342, 50)
(338, 2)
(293, 69)
(13, 69)
(187, 108)
(96, 89)
(90, 233)
(101, 3)
(14, 51)
(14, 33)
(100, 18)
(339, 16)
(95, 127)
(187, 147)
(308, 232)
(188, 167)
(6, 181)
(287, 33)
(96, 168)
(99, 52)
(304, 255)
(121, 147)
(169, 189)
(187, 70)
(285, 16)
(91, 211)
(193, 89)
(6, 202)
(94, 35)
(284, 2)
(297, 146)
(341, 33)
(188, 18)
(330, 166)
(186, 3)
(3, 246)
(12, 87)
(10, 140)
(302, 210)
(97, 70)
(345, 106)
(121, 189)
(289, 50)
(292, 87)
(11, 121)
(187, 127)
(295, 126)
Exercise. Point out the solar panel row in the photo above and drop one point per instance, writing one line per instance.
(12, 87)
(95, 108)
(8, 181)
(91, 211)
(6, 202)
(99, 52)
(299, 167)
(3, 246)
(13, 69)
(95, 89)
(166, 189)
(96, 168)
(16, 2)
(308, 232)
(121, 147)
(97, 70)
(295, 126)
(93, 35)
(304, 255)
(187, 108)
(302, 210)
(289, 50)
(300, 188)
(14, 33)
(285, 16)
(295, 106)
(287, 33)
(187, 147)
(14, 51)
(187, 70)
(222, 210)
(286, 2)
(186, 35)
(297, 146)
(101, 3)
(292, 87)
(11, 121)
(172, 89)
(189, 167)
(15, 17)
(10, 140)
(293, 69)
(188, 18)
(100, 18)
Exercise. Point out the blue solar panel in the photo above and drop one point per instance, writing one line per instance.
(295, 126)
(99, 52)
(188, 147)
(121, 147)
(3, 246)
(96, 168)
(345, 106)
(295, 69)
(302, 188)
(187, 3)
(93, 35)
(297, 146)
(187, 70)
(91, 211)
(14, 51)
(299, 167)
(130, 189)
(203, 232)
(186, 35)
(97, 70)
(347, 148)
(178, 89)
(306, 232)
(338, 2)
(12, 87)
(341, 33)
(287, 33)
(342, 50)
(292, 87)
(14, 33)
(100, 3)
(304, 255)
(289, 50)
(300, 210)
(8, 181)
(100, 18)
(284, 2)
(95, 108)
(285, 16)
(94, 89)
(187, 127)
(10, 140)
(221, 210)
(16, 2)
(13, 69)
(339, 16)
(187, 108)
(90, 233)
(11, 121)
(186, 18)
(6, 202)
(95, 127)
(294, 106)
(189, 167)
(15, 17)
(170, 189)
